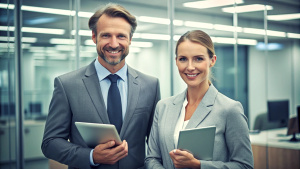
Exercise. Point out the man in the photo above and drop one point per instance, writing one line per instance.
(83, 95)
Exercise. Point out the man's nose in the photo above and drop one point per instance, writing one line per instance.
(114, 42)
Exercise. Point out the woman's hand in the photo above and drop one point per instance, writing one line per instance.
(184, 159)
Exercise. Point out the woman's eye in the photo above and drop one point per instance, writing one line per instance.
(199, 59)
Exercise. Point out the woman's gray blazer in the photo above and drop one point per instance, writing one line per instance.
(232, 147)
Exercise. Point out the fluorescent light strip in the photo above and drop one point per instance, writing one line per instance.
(5, 28)
(89, 42)
(85, 14)
(247, 41)
(227, 28)
(43, 30)
(141, 44)
(254, 31)
(155, 36)
(293, 35)
(156, 20)
(211, 3)
(247, 8)
(199, 25)
(283, 17)
(133, 44)
(62, 41)
(24, 39)
(276, 33)
(64, 47)
(233, 41)
(262, 32)
(83, 32)
(35, 30)
(12, 45)
(48, 10)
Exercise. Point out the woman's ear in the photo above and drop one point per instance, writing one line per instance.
(213, 61)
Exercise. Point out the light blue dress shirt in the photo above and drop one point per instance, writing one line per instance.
(122, 83)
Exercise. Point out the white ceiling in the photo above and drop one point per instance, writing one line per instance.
(156, 8)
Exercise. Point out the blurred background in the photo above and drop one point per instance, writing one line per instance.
(257, 43)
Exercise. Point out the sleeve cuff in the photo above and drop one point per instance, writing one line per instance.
(91, 159)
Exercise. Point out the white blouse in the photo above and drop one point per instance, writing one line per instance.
(181, 124)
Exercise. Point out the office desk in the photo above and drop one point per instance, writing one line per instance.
(272, 150)
(33, 135)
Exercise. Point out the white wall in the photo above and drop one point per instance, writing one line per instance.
(154, 61)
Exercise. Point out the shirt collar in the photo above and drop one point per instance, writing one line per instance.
(102, 72)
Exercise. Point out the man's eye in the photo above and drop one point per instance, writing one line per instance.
(104, 36)
(121, 36)
(182, 59)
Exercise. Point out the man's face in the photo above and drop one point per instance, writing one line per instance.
(112, 39)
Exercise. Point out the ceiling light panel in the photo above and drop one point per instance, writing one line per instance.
(62, 41)
(211, 3)
(283, 17)
(293, 35)
(199, 25)
(156, 20)
(247, 8)
(227, 28)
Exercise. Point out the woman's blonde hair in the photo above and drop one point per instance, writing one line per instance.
(200, 37)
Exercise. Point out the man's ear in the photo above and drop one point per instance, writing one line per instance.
(94, 37)
(130, 41)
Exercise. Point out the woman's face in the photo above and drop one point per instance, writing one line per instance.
(193, 63)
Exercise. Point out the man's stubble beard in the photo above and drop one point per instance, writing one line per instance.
(102, 55)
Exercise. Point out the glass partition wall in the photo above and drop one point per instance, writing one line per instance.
(256, 55)
(7, 89)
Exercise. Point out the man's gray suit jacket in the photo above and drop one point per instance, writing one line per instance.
(77, 96)
(232, 147)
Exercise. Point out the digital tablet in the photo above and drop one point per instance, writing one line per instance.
(96, 133)
(198, 141)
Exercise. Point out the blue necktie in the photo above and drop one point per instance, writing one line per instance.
(114, 105)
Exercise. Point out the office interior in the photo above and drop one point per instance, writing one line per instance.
(257, 43)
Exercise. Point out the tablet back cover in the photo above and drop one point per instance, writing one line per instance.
(198, 141)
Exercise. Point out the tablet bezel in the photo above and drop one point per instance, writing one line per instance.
(97, 133)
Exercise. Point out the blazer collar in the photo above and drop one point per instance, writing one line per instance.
(133, 95)
(92, 85)
(172, 114)
(204, 107)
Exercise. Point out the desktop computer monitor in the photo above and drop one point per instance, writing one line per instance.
(35, 108)
(278, 111)
(294, 126)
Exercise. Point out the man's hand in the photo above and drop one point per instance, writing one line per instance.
(184, 159)
(108, 154)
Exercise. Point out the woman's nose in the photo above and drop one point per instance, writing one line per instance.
(190, 66)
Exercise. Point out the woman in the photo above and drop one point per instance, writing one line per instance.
(200, 105)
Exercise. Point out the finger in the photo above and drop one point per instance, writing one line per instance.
(120, 150)
(107, 145)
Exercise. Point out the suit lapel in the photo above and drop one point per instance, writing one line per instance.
(92, 85)
(133, 95)
(171, 119)
(204, 108)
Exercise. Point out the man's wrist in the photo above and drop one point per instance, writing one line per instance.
(91, 159)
